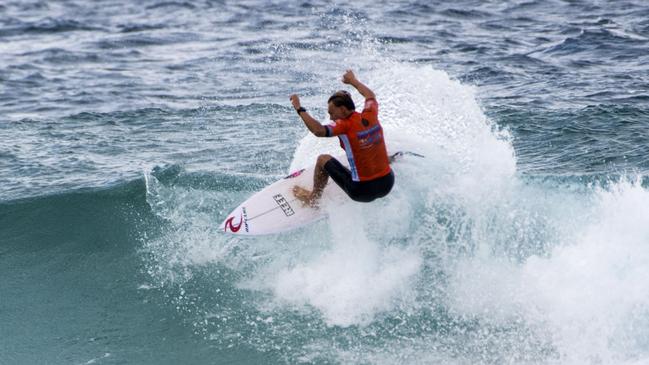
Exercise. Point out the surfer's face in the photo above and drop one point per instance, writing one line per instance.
(337, 112)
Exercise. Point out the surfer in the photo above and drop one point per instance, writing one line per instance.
(361, 136)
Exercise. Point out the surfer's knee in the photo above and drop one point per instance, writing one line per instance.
(323, 159)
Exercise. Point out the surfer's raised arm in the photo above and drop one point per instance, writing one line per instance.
(311, 123)
(350, 78)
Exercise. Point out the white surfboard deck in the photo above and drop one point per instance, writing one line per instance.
(275, 209)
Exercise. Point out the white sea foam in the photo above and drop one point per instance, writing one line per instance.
(352, 281)
(590, 292)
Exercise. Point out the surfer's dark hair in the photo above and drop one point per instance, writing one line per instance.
(342, 98)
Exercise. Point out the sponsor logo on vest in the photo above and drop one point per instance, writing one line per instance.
(370, 137)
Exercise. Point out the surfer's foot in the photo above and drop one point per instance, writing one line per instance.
(305, 196)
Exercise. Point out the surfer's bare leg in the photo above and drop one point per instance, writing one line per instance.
(320, 178)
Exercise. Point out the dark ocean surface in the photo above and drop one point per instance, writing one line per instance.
(129, 130)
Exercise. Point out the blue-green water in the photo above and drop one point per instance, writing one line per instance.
(129, 130)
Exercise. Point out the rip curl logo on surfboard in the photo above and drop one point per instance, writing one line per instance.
(231, 226)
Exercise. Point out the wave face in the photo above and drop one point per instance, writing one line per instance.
(129, 131)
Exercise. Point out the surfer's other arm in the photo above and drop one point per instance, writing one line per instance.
(350, 78)
(311, 123)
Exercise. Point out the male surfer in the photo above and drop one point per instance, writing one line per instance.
(361, 136)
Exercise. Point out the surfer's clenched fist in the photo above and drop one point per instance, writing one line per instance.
(349, 77)
(295, 100)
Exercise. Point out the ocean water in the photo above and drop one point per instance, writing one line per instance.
(128, 131)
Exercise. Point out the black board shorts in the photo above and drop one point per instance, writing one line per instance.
(360, 191)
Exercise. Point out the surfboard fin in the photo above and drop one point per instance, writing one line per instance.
(400, 154)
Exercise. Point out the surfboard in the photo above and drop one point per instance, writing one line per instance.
(275, 209)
